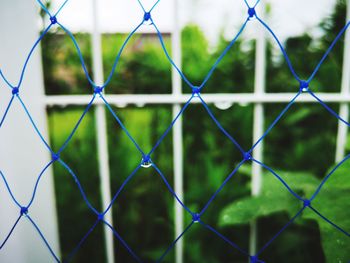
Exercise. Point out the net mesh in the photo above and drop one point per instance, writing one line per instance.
(146, 161)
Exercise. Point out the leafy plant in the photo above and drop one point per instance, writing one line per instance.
(275, 198)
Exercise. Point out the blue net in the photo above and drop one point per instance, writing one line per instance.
(146, 161)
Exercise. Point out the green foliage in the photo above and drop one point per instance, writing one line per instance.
(331, 202)
(274, 198)
(196, 62)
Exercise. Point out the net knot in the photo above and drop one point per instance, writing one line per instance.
(247, 156)
(307, 203)
(98, 90)
(253, 259)
(251, 12)
(100, 217)
(146, 161)
(304, 86)
(147, 16)
(196, 218)
(15, 90)
(24, 210)
(196, 90)
(53, 20)
(55, 156)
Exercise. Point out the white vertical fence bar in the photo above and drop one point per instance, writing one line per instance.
(177, 135)
(101, 133)
(258, 121)
(345, 90)
(22, 154)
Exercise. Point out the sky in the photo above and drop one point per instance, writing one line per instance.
(287, 17)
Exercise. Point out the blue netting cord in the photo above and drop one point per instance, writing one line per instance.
(146, 160)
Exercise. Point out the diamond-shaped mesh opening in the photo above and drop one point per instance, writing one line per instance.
(306, 145)
(142, 52)
(17, 119)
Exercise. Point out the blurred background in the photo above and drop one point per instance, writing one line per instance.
(301, 147)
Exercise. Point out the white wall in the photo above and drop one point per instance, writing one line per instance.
(22, 155)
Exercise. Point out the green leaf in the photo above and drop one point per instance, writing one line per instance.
(275, 198)
(333, 203)
(340, 179)
(245, 210)
(301, 182)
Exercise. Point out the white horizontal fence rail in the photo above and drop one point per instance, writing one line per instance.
(241, 98)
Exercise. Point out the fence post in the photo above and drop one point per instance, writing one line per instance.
(345, 90)
(259, 122)
(22, 154)
(177, 134)
(101, 132)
